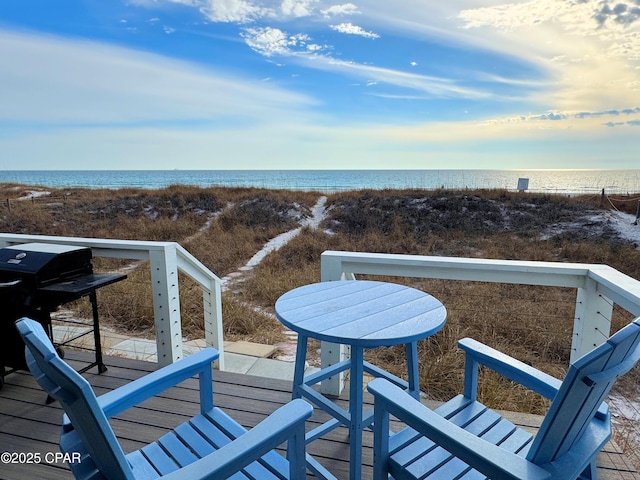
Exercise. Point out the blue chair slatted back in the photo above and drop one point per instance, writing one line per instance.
(583, 390)
(77, 398)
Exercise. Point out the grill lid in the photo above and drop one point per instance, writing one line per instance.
(43, 263)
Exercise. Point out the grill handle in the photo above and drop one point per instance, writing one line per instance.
(12, 283)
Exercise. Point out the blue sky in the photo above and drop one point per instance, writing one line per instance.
(233, 84)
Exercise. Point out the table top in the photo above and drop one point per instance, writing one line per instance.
(361, 312)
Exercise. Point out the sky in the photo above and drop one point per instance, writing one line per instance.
(294, 84)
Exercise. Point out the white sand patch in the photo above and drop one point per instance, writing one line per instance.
(34, 194)
(272, 245)
(627, 225)
(318, 213)
(610, 223)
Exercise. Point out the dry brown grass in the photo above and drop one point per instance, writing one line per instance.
(244, 321)
(533, 324)
(296, 264)
(127, 305)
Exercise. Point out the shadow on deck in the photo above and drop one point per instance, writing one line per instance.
(28, 425)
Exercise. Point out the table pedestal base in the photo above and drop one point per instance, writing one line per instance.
(355, 419)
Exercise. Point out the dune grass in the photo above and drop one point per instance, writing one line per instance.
(223, 228)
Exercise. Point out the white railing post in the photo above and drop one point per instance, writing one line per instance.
(166, 303)
(332, 353)
(592, 323)
(212, 299)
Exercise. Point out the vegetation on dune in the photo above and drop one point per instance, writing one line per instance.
(225, 227)
(532, 323)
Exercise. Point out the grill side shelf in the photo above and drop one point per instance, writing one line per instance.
(84, 284)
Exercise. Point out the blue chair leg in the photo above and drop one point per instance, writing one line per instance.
(589, 472)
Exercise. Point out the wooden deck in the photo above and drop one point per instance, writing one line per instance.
(28, 425)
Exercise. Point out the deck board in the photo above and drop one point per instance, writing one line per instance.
(27, 424)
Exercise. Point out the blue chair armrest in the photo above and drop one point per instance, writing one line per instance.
(483, 456)
(526, 375)
(137, 391)
(283, 424)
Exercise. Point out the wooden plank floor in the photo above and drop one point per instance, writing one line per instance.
(28, 425)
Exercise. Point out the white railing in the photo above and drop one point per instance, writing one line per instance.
(165, 260)
(599, 287)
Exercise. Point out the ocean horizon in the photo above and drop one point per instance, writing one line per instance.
(545, 181)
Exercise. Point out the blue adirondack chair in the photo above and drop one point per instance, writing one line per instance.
(209, 446)
(463, 439)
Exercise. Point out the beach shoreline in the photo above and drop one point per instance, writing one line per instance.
(569, 182)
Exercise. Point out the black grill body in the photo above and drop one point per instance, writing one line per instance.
(26, 269)
(25, 272)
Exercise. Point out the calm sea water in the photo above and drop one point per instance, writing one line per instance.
(552, 181)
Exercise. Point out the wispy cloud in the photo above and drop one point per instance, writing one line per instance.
(263, 26)
(633, 123)
(584, 51)
(51, 80)
(246, 11)
(622, 13)
(565, 70)
(440, 87)
(236, 11)
(613, 29)
(272, 42)
(516, 15)
(570, 120)
(297, 8)
(590, 52)
(352, 29)
(624, 111)
(340, 10)
(570, 127)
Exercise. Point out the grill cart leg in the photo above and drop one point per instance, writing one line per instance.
(96, 333)
(96, 337)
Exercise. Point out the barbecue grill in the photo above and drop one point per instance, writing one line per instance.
(35, 279)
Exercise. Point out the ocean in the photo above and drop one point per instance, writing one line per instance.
(549, 181)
